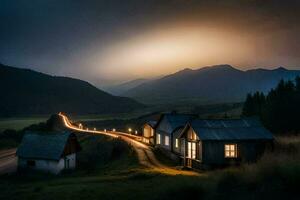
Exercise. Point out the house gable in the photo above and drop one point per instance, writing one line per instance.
(164, 126)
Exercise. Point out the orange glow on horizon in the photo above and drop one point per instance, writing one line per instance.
(168, 49)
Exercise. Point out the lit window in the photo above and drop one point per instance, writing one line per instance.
(192, 150)
(167, 142)
(152, 132)
(176, 143)
(158, 139)
(146, 140)
(230, 150)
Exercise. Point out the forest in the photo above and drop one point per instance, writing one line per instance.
(278, 109)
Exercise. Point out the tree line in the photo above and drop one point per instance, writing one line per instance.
(279, 110)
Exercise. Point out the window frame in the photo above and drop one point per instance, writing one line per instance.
(167, 140)
(158, 139)
(192, 150)
(230, 152)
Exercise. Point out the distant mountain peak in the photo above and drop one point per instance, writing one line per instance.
(185, 70)
(222, 67)
(280, 69)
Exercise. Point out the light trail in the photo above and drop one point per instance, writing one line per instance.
(70, 126)
(112, 134)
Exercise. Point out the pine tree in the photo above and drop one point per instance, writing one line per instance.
(248, 109)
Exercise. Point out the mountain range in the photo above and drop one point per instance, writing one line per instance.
(214, 84)
(27, 92)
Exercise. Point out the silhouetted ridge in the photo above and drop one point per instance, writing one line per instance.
(212, 84)
(26, 92)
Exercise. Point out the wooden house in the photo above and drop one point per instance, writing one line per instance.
(149, 132)
(50, 152)
(222, 142)
(168, 125)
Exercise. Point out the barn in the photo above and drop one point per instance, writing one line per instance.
(167, 125)
(149, 132)
(222, 142)
(49, 152)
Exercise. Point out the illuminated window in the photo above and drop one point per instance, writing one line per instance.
(176, 143)
(192, 150)
(158, 139)
(167, 142)
(152, 132)
(146, 140)
(230, 150)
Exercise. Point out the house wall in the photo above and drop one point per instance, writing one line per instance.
(164, 129)
(163, 143)
(147, 131)
(148, 134)
(51, 166)
(72, 160)
(177, 149)
(248, 151)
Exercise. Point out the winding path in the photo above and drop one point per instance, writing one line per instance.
(8, 161)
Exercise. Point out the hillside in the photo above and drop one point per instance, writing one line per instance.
(124, 87)
(26, 92)
(215, 84)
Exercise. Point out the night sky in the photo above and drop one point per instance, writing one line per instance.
(110, 41)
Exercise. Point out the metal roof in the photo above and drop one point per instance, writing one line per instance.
(230, 129)
(49, 146)
(174, 121)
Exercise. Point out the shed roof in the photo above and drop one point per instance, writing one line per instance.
(48, 146)
(230, 129)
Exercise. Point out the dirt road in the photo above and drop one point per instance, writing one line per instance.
(8, 161)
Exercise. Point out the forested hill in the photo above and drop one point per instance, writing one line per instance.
(27, 92)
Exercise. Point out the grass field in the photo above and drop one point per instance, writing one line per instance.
(19, 123)
(118, 176)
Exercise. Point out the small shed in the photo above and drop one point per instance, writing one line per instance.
(223, 142)
(149, 132)
(50, 152)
